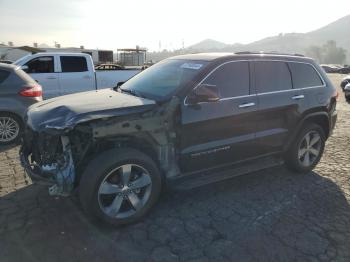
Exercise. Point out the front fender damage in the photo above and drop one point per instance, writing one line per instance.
(61, 162)
(160, 126)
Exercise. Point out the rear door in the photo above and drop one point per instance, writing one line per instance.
(43, 70)
(75, 75)
(221, 132)
(280, 106)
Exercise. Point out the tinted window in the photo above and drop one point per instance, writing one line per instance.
(304, 75)
(271, 76)
(43, 64)
(3, 75)
(73, 64)
(232, 79)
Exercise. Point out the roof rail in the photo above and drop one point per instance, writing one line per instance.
(265, 53)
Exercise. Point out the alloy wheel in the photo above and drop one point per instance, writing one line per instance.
(309, 148)
(124, 191)
(9, 129)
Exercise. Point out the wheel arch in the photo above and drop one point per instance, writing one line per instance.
(142, 143)
(319, 118)
(7, 112)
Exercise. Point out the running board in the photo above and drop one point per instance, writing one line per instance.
(198, 179)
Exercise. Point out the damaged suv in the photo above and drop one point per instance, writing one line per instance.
(184, 122)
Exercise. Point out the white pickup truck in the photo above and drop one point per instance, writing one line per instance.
(67, 73)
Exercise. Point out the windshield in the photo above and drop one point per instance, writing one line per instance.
(19, 61)
(163, 78)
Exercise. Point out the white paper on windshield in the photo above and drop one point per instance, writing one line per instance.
(191, 66)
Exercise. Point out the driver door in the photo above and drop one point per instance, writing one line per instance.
(221, 132)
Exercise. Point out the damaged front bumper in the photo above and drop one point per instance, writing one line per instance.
(59, 175)
(34, 171)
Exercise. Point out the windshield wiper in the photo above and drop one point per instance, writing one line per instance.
(131, 92)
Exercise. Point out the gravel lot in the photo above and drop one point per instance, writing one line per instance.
(272, 215)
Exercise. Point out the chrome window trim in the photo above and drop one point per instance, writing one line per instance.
(233, 97)
(282, 91)
(265, 93)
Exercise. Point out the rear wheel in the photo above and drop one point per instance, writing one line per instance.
(307, 149)
(10, 128)
(120, 186)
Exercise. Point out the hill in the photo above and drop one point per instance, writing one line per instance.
(288, 43)
(298, 42)
(208, 44)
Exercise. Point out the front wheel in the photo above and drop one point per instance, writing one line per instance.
(307, 149)
(120, 186)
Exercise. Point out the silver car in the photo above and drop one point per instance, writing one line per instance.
(17, 92)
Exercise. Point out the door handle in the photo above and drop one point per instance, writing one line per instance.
(51, 77)
(297, 97)
(246, 105)
(86, 77)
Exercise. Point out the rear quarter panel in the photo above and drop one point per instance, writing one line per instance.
(320, 98)
(319, 102)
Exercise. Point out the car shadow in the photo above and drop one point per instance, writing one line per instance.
(272, 214)
(4, 148)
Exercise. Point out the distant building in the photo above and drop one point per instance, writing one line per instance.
(132, 56)
(14, 53)
(98, 56)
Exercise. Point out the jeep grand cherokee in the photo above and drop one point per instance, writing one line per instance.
(184, 122)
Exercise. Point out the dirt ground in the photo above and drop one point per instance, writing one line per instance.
(271, 215)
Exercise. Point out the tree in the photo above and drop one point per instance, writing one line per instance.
(333, 54)
(329, 53)
(315, 52)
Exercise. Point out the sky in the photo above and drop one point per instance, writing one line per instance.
(159, 24)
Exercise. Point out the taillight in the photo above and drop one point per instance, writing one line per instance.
(34, 90)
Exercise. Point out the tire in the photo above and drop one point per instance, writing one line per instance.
(11, 128)
(105, 196)
(347, 98)
(300, 164)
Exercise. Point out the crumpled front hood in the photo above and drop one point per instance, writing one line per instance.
(67, 111)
